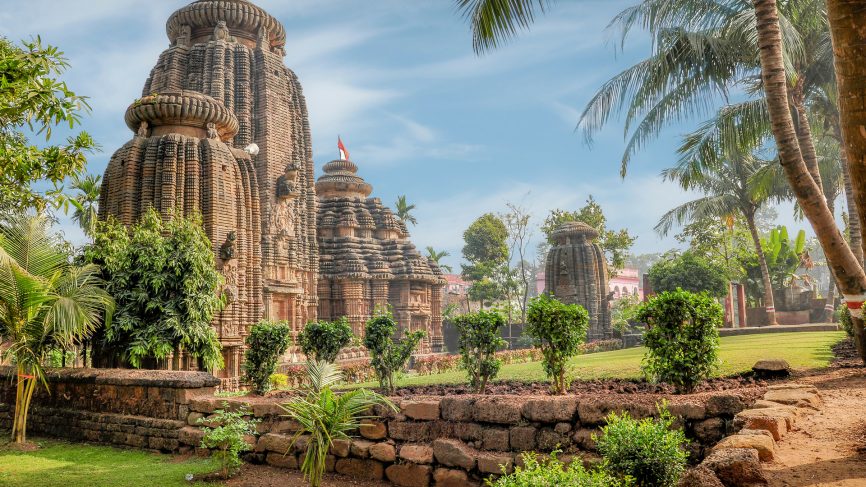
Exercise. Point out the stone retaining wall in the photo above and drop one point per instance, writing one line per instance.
(443, 441)
(137, 408)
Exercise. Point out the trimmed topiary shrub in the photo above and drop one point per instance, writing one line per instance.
(552, 472)
(682, 337)
(647, 450)
(843, 317)
(558, 329)
(265, 343)
(388, 356)
(479, 340)
(323, 340)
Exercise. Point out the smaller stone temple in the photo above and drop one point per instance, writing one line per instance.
(367, 260)
(576, 273)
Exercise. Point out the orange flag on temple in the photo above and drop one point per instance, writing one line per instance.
(344, 154)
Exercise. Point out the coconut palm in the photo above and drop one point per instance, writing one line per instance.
(437, 257)
(45, 302)
(327, 416)
(730, 188)
(86, 202)
(404, 211)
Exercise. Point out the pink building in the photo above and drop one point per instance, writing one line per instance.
(455, 284)
(627, 281)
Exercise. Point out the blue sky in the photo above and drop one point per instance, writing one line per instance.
(420, 113)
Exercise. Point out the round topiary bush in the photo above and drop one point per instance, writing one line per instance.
(265, 343)
(323, 340)
(557, 329)
(682, 337)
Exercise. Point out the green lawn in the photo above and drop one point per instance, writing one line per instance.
(803, 350)
(73, 464)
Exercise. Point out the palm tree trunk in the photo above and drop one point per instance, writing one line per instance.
(854, 227)
(804, 135)
(845, 266)
(830, 300)
(23, 396)
(769, 301)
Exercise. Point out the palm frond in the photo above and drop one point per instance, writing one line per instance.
(495, 22)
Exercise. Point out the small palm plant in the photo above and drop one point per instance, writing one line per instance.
(326, 416)
(45, 303)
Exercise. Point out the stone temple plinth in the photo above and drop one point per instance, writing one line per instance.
(576, 273)
(367, 260)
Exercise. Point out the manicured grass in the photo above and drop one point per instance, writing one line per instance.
(803, 350)
(71, 464)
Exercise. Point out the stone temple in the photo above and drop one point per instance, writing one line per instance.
(576, 273)
(222, 129)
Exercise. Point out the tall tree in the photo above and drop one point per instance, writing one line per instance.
(33, 98)
(486, 250)
(437, 257)
(845, 266)
(45, 302)
(86, 202)
(519, 233)
(730, 189)
(404, 210)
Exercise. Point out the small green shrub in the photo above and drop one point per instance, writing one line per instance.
(646, 450)
(479, 340)
(843, 317)
(227, 437)
(265, 343)
(323, 340)
(278, 380)
(558, 329)
(682, 337)
(552, 473)
(386, 355)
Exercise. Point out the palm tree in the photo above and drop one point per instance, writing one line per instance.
(45, 302)
(437, 258)
(730, 188)
(404, 211)
(327, 416)
(86, 202)
(847, 269)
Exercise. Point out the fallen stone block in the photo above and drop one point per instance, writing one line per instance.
(737, 467)
(763, 444)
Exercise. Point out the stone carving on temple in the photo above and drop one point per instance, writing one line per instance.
(221, 85)
(576, 273)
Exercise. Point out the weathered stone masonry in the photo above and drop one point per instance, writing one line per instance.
(431, 441)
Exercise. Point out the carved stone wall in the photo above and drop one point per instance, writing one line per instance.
(368, 260)
(576, 273)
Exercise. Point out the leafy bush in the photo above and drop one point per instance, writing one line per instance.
(326, 416)
(690, 272)
(278, 381)
(646, 450)
(386, 355)
(323, 340)
(163, 278)
(552, 472)
(623, 312)
(843, 316)
(265, 343)
(682, 337)
(227, 437)
(558, 329)
(479, 339)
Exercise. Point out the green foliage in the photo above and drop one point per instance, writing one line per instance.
(278, 381)
(623, 312)
(783, 259)
(843, 317)
(326, 416)
(225, 432)
(437, 257)
(33, 98)
(387, 356)
(650, 451)
(479, 340)
(265, 343)
(45, 303)
(86, 202)
(404, 211)
(552, 472)
(558, 329)
(163, 277)
(682, 337)
(689, 272)
(615, 243)
(323, 340)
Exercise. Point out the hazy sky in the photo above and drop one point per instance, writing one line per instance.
(420, 113)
